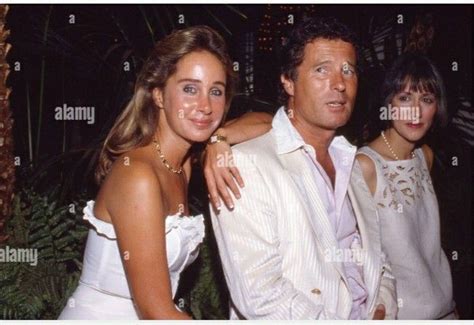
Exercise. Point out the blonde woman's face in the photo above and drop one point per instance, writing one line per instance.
(194, 97)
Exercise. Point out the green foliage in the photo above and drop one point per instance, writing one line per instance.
(58, 234)
(208, 300)
(29, 291)
(203, 292)
(202, 289)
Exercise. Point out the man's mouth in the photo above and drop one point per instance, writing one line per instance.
(336, 103)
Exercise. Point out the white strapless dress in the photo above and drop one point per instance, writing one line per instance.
(103, 291)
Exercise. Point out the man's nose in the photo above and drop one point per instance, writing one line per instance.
(337, 82)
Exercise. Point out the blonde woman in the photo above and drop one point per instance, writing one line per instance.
(143, 236)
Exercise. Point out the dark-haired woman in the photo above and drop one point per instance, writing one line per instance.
(143, 237)
(396, 169)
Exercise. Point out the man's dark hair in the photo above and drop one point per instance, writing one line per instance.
(306, 31)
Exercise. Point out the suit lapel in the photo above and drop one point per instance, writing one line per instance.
(296, 165)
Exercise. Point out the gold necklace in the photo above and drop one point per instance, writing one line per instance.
(391, 149)
(164, 161)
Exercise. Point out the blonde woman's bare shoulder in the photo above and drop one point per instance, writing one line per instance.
(134, 168)
(131, 178)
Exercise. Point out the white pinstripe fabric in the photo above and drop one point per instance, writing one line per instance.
(273, 244)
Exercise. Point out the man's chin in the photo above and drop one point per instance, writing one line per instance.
(334, 125)
(341, 121)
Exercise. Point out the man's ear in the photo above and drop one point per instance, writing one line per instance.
(288, 85)
(157, 95)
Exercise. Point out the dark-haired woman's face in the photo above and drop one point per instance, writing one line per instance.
(413, 113)
(194, 97)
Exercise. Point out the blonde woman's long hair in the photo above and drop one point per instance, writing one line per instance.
(137, 123)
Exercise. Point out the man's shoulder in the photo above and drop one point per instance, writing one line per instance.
(263, 144)
(257, 153)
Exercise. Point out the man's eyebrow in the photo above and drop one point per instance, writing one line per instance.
(329, 61)
(199, 81)
(351, 64)
(322, 62)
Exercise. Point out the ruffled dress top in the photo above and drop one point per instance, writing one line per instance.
(103, 275)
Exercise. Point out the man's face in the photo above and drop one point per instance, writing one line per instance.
(326, 84)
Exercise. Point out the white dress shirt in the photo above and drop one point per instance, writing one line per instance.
(335, 200)
(274, 243)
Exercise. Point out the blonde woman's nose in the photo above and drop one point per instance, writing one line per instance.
(204, 105)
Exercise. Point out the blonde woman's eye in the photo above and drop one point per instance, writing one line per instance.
(190, 89)
(217, 92)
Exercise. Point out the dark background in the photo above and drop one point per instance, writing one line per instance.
(54, 62)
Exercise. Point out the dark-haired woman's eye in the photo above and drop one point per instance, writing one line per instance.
(429, 100)
(404, 98)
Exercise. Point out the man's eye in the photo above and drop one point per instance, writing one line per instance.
(216, 92)
(348, 71)
(190, 89)
(321, 69)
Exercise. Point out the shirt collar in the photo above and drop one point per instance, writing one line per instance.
(288, 138)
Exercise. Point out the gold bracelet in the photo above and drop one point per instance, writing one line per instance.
(216, 138)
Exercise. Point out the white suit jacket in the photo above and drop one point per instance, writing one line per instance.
(275, 245)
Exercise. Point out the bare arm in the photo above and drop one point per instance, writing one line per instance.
(364, 179)
(248, 126)
(219, 168)
(368, 171)
(387, 295)
(137, 216)
(428, 152)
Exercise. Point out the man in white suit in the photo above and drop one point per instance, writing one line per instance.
(295, 245)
